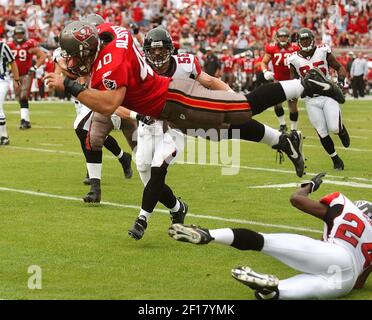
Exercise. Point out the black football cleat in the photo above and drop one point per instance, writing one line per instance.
(291, 145)
(315, 83)
(4, 141)
(344, 137)
(94, 195)
(283, 128)
(338, 164)
(192, 234)
(266, 285)
(125, 161)
(138, 229)
(179, 216)
(25, 125)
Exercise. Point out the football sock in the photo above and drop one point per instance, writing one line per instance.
(251, 130)
(3, 131)
(222, 236)
(293, 116)
(25, 112)
(328, 145)
(271, 136)
(279, 111)
(265, 96)
(168, 199)
(153, 191)
(245, 239)
(281, 120)
(144, 213)
(112, 145)
(94, 170)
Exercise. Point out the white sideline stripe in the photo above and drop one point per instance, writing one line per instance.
(293, 184)
(354, 137)
(342, 148)
(201, 216)
(191, 163)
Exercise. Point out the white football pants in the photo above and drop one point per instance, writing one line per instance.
(154, 147)
(4, 86)
(324, 114)
(328, 269)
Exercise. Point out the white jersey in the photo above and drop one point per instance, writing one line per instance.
(350, 228)
(317, 60)
(187, 66)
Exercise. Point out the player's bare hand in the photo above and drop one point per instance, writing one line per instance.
(16, 84)
(54, 81)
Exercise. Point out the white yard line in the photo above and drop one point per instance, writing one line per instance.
(190, 163)
(134, 207)
(353, 137)
(293, 184)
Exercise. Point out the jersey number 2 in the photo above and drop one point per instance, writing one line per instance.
(352, 234)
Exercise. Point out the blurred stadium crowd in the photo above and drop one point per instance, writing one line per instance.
(228, 36)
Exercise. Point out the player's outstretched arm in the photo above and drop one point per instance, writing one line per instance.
(212, 83)
(105, 102)
(300, 198)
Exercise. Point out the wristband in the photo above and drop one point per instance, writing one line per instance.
(73, 87)
(133, 115)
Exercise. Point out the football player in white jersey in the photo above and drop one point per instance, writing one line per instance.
(156, 148)
(329, 269)
(324, 112)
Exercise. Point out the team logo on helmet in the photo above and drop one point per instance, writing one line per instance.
(83, 34)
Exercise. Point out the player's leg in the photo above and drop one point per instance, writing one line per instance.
(315, 111)
(217, 109)
(160, 150)
(293, 113)
(24, 93)
(335, 124)
(124, 158)
(279, 112)
(332, 263)
(4, 138)
(99, 128)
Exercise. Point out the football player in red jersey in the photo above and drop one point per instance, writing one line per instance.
(277, 53)
(329, 269)
(121, 76)
(23, 50)
(227, 60)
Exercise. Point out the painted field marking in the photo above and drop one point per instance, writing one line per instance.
(127, 206)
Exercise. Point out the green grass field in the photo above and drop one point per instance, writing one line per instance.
(84, 250)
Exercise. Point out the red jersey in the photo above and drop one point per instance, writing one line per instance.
(22, 55)
(228, 63)
(120, 64)
(278, 58)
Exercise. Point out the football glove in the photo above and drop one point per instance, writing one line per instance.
(315, 182)
(268, 75)
(341, 81)
(32, 70)
(145, 119)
